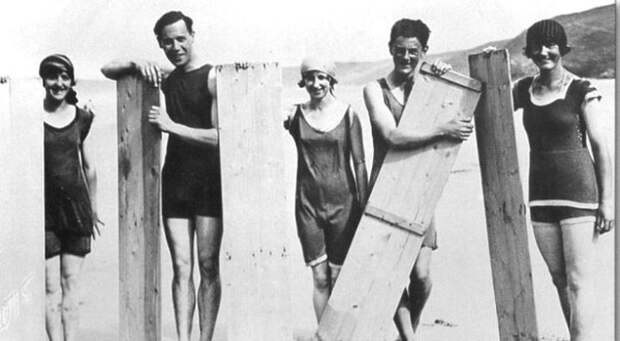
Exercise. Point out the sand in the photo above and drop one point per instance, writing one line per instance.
(461, 306)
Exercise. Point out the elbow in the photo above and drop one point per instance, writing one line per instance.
(108, 72)
(395, 142)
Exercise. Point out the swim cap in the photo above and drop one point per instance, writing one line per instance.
(546, 32)
(316, 64)
(56, 62)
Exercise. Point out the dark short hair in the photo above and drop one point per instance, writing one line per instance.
(545, 32)
(170, 18)
(410, 29)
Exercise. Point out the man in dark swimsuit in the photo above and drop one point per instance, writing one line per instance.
(191, 188)
(385, 100)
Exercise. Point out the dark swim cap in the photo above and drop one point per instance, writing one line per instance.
(59, 62)
(545, 32)
(56, 62)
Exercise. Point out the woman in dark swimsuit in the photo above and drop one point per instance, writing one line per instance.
(329, 195)
(571, 198)
(70, 195)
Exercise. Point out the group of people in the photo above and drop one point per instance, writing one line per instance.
(570, 193)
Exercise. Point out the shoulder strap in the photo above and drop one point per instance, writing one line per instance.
(293, 128)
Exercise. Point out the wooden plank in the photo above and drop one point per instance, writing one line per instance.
(456, 78)
(138, 179)
(22, 220)
(410, 183)
(503, 199)
(256, 269)
(394, 220)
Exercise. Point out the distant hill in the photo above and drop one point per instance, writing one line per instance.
(591, 34)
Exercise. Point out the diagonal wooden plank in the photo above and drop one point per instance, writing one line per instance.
(409, 185)
(255, 257)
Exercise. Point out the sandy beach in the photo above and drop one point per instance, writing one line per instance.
(461, 306)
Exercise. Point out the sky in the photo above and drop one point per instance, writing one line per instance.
(93, 32)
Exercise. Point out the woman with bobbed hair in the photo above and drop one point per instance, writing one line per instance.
(70, 195)
(570, 194)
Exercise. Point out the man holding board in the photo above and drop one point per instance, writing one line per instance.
(385, 100)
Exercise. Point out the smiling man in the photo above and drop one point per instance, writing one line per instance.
(191, 185)
(385, 100)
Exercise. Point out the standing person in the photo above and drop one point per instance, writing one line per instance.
(328, 200)
(570, 195)
(70, 195)
(385, 100)
(191, 186)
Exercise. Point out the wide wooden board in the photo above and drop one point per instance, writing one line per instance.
(407, 190)
(22, 220)
(255, 252)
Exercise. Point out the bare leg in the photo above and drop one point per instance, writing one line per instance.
(579, 241)
(53, 299)
(209, 240)
(549, 240)
(70, 268)
(180, 238)
(413, 300)
(321, 290)
(334, 271)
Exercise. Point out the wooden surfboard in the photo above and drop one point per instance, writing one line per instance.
(255, 256)
(399, 210)
(22, 249)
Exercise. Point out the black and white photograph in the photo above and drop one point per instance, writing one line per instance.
(308, 170)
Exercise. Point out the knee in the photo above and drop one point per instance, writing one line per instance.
(420, 281)
(69, 284)
(182, 269)
(322, 280)
(209, 267)
(52, 288)
(576, 281)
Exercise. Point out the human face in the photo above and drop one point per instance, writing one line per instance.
(57, 85)
(546, 57)
(318, 84)
(406, 53)
(177, 41)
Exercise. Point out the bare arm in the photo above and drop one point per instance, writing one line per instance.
(90, 172)
(602, 163)
(381, 118)
(150, 71)
(162, 120)
(359, 163)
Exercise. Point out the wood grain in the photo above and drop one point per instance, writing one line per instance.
(503, 199)
(139, 149)
(256, 266)
(409, 185)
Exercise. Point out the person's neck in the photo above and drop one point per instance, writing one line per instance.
(398, 80)
(51, 105)
(320, 104)
(191, 65)
(551, 77)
